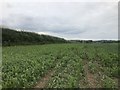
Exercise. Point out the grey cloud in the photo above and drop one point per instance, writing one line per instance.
(68, 20)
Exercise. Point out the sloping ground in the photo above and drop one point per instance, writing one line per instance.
(12, 37)
(59, 66)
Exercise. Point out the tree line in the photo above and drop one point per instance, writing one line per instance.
(13, 37)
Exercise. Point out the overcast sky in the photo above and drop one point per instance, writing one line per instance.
(70, 20)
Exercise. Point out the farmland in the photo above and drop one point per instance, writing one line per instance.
(82, 65)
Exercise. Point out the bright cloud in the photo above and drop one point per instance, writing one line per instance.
(71, 20)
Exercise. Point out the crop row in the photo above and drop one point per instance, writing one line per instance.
(24, 66)
(67, 73)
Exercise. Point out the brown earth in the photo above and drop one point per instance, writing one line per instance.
(42, 83)
(90, 77)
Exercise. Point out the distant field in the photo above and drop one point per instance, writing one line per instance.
(61, 66)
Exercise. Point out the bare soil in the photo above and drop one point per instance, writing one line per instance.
(90, 77)
(42, 83)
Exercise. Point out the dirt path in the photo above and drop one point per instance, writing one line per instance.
(90, 77)
(42, 83)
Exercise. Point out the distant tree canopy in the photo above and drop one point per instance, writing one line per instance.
(90, 41)
(12, 37)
